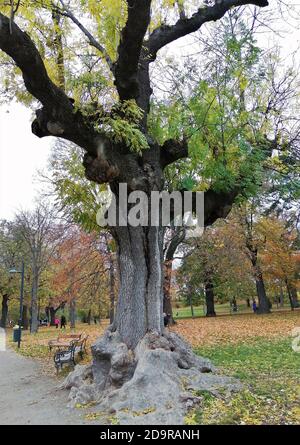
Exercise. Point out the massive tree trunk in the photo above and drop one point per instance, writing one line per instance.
(5, 299)
(139, 306)
(210, 299)
(137, 355)
(34, 302)
(138, 366)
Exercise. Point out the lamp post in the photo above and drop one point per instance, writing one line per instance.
(21, 297)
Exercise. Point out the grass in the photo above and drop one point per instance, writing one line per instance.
(258, 351)
(221, 309)
(270, 371)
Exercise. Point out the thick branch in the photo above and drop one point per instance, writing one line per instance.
(172, 151)
(218, 204)
(184, 26)
(174, 243)
(126, 68)
(21, 48)
(58, 116)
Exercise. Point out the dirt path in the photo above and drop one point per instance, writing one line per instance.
(27, 397)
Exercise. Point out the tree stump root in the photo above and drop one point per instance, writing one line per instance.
(156, 384)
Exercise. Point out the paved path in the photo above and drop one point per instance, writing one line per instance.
(27, 397)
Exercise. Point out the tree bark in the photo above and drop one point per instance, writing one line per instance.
(210, 299)
(263, 301)
(294, 296)
(292, 293)
(140, 303)
(140, 254)
(72, 313)
(111, 290)
(52, 316)
(3, 321)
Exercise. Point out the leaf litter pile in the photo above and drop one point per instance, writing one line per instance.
(237, 328)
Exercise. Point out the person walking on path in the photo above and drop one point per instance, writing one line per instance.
(63, 322)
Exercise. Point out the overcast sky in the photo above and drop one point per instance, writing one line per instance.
(22, 153)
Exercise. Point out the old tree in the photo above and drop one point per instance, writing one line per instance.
(146, 364)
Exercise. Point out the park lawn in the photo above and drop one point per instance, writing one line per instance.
(220, 308)
(255, 349)
(237, 328)
(270, 371)
(258, 351)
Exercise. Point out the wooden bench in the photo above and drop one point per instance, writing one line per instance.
(63, 340)
(67, 356)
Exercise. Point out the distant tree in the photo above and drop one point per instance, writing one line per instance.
(280, 256)
(41, 235)
(253, 243)
(12, 252)
(82, 263)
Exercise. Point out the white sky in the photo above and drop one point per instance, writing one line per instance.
(22, 153)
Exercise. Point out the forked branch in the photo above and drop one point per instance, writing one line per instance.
(184, 26)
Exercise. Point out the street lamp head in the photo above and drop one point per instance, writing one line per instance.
(13, 270)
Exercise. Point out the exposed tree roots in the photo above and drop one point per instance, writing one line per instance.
(155, 384)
